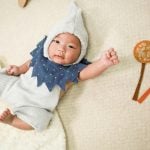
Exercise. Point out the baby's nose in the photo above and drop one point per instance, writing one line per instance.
(61, 52)
(61, 48)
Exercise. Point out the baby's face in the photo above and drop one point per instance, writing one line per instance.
(64, 49)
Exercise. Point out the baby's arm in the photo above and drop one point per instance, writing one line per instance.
(17, 70)
(108, 59)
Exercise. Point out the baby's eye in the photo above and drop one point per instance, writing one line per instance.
(70, 46)
(56, 41)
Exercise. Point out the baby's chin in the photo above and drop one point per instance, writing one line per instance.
(62, 62)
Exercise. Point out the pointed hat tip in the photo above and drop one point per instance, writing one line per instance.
(73, 6)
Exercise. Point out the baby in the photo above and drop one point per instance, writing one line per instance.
(33, 89)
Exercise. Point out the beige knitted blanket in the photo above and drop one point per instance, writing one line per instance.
(98, 114)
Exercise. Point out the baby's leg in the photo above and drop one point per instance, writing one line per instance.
(8, 118)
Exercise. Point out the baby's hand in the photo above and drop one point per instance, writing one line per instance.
(12, 70)
(110, 58)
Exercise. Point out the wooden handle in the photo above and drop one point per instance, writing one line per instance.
(136, 94)
(144, 96)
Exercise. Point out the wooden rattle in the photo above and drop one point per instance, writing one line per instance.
(22, 3)
(142, 54)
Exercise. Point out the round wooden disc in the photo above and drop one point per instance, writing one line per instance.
(142, 51)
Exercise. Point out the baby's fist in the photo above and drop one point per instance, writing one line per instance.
(110, 57)
(13, 70)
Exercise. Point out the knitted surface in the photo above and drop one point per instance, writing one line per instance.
(98, 114)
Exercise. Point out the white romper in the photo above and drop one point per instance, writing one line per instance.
(30, 103)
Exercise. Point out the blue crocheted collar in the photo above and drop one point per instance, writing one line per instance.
(51, 73)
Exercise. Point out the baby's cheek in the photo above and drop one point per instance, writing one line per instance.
(75, 57)
(50, 52)
(69, 59)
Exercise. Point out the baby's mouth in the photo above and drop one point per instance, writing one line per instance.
(58, 56)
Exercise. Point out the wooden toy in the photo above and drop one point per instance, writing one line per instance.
(22, 3)
(142, 54)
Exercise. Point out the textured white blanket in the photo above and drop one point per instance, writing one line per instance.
(51, 139)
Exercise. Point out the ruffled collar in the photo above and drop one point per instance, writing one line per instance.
(52, 74)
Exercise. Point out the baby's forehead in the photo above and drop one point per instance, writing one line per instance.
(65, 34)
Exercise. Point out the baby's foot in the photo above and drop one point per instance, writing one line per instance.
(6, 117)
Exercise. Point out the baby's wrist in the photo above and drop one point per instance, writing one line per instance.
(104, 64)
(18, 71)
